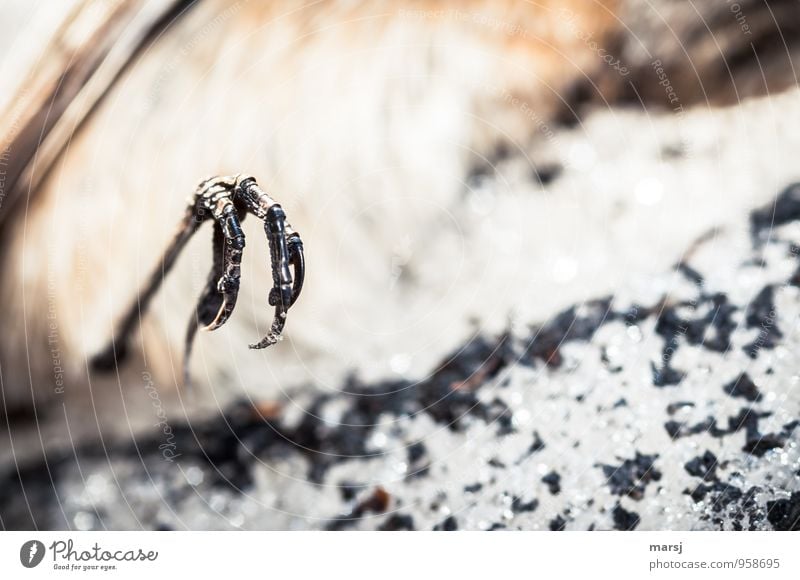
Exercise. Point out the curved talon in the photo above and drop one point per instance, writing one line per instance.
(210, 303)
(280, 296)
(116, 350)
(227, 284)
(275, 228)
(225, 201)
(274, 335)
(298, 261)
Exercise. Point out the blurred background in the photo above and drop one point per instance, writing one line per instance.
(461, 174)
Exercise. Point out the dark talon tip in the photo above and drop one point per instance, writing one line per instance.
(274, 335)
(268, 340)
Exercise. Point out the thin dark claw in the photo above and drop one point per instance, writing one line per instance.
(227, 200)
(191, 332)
(210, 302)
(298, 261)
(274, 335)
(116, 350)
(275, 228)
(218, 298)
(228, 281)
(281, 294)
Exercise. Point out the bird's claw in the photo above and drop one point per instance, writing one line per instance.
(226, 200)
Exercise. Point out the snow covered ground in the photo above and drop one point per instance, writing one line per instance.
(615, 346)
